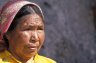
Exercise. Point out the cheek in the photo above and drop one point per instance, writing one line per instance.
(24, 36)
(21, 38)
(41, 35)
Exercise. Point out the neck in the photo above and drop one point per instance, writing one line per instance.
(21, 58)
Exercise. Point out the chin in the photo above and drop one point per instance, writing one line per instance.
(32, 53)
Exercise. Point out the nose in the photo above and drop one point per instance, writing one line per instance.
(34, 37)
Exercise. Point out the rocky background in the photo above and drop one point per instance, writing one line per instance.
(70, 30)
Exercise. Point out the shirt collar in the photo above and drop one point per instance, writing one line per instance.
(8, 54)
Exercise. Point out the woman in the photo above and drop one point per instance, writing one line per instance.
(22, 32)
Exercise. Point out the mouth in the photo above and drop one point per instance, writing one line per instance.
(32, 47)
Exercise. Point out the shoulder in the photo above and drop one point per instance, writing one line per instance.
(45, 59)
(2, 57)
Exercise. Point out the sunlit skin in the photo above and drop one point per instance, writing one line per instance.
(27, 38)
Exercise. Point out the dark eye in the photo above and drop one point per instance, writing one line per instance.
(40, 28)
(27, 29)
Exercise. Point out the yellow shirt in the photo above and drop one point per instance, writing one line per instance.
(6, 57)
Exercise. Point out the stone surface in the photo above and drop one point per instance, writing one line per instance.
(70, 30)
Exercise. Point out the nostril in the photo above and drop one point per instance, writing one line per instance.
(32, 38)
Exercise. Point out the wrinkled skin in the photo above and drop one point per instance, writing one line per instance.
(27, 38)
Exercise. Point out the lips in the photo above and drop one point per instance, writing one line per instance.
(32, 47)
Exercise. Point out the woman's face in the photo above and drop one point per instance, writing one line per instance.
(28, 36)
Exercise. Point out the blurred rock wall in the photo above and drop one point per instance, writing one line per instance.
(70, 30)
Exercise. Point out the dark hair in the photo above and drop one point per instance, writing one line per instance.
(25, 10)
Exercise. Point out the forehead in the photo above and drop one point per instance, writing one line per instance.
(31, 19)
